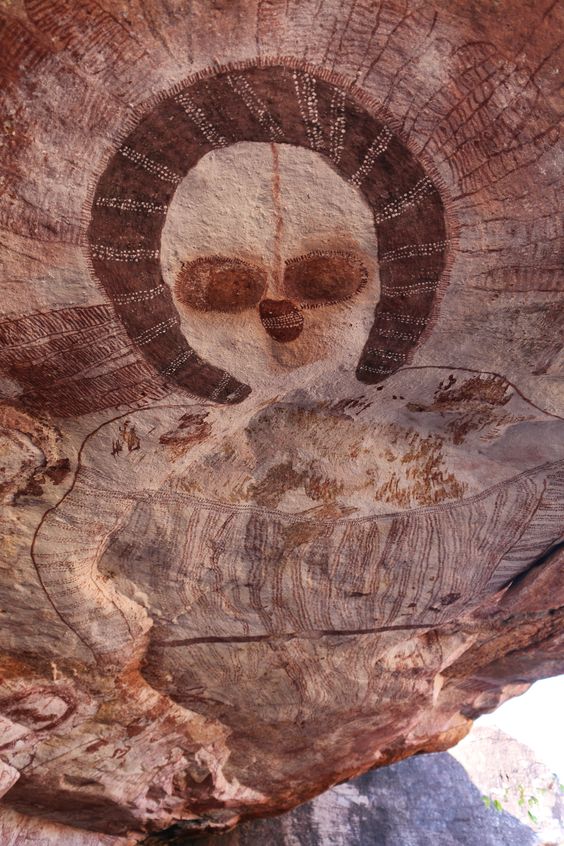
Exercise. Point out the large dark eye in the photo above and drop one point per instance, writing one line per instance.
(215, 283)
(322, 278)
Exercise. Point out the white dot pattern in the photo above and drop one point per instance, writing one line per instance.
(161, 171)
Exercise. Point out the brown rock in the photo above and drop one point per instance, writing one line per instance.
(443, 798)
(281, 445)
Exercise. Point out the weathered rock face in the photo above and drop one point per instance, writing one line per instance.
(429, 800)
(506, 770)
(281, 433)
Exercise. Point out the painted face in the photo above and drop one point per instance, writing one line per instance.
(175, 270)
(272, 261)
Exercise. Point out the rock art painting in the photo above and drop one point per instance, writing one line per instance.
(276, 104)
(281, 441)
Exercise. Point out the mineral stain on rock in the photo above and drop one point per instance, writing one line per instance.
(281, 434)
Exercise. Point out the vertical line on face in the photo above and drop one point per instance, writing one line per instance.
(279, 220)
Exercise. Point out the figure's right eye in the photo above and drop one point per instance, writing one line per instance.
(324, 278)
(217, 283)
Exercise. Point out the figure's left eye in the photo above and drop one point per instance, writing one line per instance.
(324, 278)
(217, 283)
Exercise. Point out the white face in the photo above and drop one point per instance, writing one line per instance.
(261, 206)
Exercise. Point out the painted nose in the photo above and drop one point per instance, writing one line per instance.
(282, 319)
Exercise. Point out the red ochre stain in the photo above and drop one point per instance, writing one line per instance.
(324, 278)
(220, 283)
(282, 319)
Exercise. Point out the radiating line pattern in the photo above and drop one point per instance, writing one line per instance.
(264, 103)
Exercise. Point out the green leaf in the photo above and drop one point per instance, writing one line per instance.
(532, 817)
(521, 790)
(497, 805)
(487, 801)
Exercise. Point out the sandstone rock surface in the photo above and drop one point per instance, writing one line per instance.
(281, 426)
(428, 800)
(508, 771)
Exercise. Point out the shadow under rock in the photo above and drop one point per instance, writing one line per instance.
(427, 800)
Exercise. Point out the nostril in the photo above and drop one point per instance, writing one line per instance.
(282, 319)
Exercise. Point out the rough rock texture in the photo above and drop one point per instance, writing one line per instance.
(506, 770)
(429, 800)
(281, 433)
